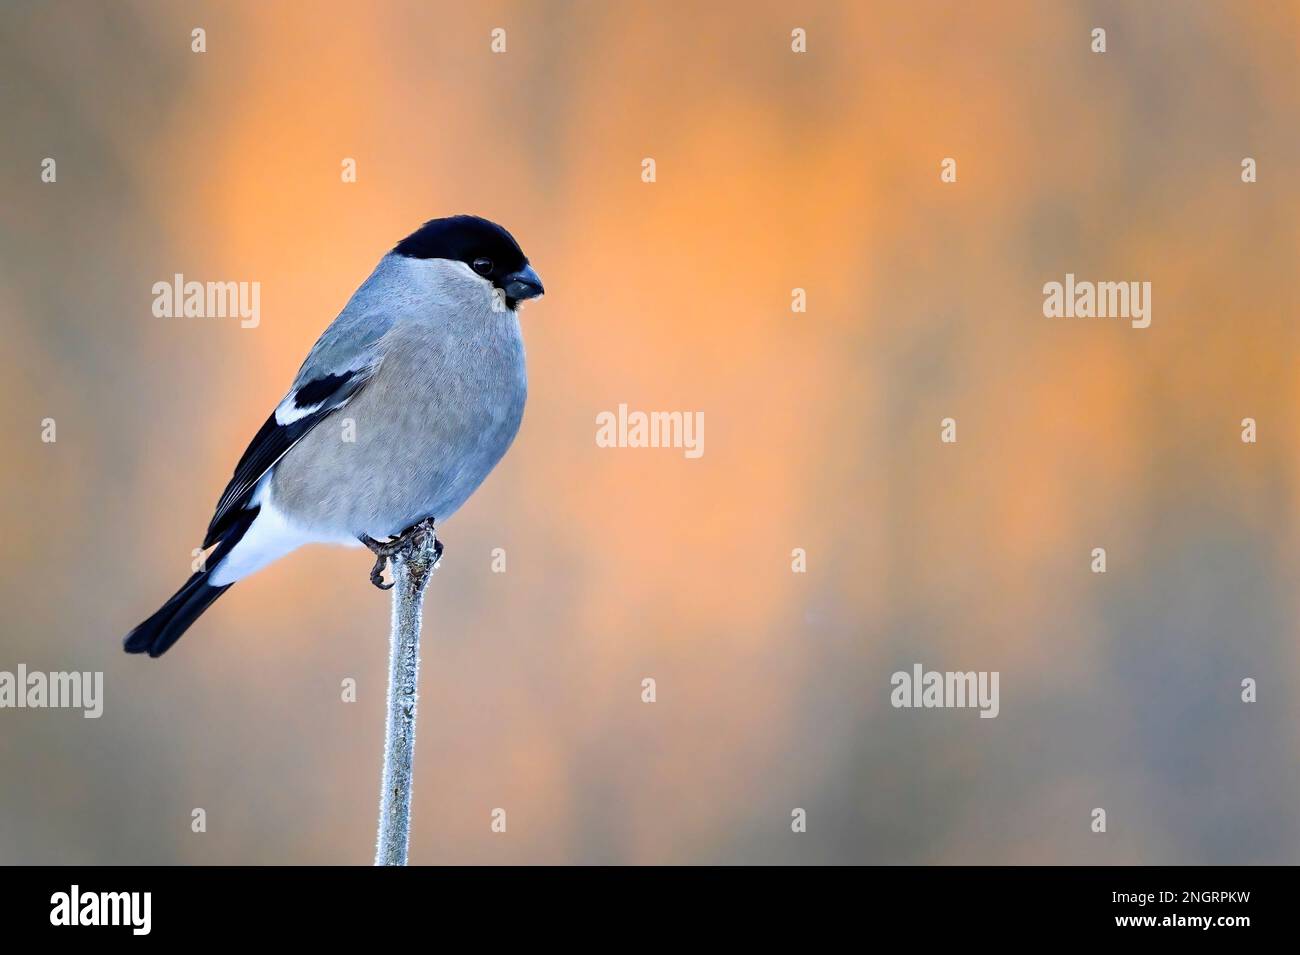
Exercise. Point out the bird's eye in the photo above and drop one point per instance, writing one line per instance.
(483, 266)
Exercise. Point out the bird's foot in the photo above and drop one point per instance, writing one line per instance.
(381, 561)
(385, 551)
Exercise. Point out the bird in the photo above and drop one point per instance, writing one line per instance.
(403, 406)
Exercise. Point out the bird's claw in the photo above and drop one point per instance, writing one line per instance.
(384, 551)
(377, 573)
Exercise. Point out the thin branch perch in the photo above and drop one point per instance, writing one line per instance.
(414, 555)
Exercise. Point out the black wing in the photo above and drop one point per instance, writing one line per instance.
(307, 406)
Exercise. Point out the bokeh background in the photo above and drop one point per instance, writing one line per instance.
(775, 171)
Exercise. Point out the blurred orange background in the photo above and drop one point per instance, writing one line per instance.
(775, 170)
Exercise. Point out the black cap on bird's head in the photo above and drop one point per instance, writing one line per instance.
(484, 246)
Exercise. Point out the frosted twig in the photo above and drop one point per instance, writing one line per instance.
(414, 555)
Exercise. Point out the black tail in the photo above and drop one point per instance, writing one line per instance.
(165, 627)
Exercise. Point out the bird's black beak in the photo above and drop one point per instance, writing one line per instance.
(524, 284)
